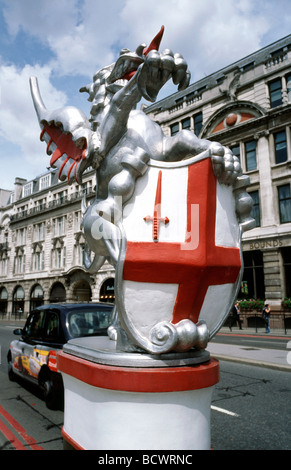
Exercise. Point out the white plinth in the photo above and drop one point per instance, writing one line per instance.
(97, 418)
(112, 408)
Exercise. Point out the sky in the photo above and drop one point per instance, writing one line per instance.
(64, 42)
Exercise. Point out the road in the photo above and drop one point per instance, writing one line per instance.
(256, 399)
(256, 341)
(250, 407)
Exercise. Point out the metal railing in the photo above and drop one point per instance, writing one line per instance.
(281, 320)
(45, 207)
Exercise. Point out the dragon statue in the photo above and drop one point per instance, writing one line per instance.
(119, 141)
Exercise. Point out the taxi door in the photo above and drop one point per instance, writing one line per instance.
(31, 355)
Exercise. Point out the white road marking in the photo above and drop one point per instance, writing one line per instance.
(222, 410)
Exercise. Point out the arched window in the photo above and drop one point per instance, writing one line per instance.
(58, 293)
(3, 301)
(107, 291)
(82, 292)
(18, 301)
(36, 297)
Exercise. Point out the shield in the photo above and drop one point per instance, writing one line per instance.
(181, 262)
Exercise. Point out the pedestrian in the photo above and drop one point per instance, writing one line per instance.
(266, 314)
(235, 316)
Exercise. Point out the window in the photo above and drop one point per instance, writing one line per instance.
(21, 236)
(107, 291)
(27, 189)
(19, 261)
(190, 95)
(58, 293)
(19, 293)
(51, 332)
(286, 255)
(18, 301)
(38, 233)
(3, 294)
(21, 264)
(251, 157)
(278, 52)
(38, 260)
(186, 123)
(253, 276)
(288, 82)
(284, 203)
(36, 297)
(61, 197)
(174, 128)
(280, 147)
(3, 300)
(88, 322)
(197, 123)
(58, 226)
(248, 66)
(201, 89)
(256, 207)
(59, 256)
(35, 324)
(236, 151)
(77, 221)
(87, 187)
(45, 181)
(79, 253)
(22, 211)
(79, 249)
(40, 204)
(3, 264)
(275, 91)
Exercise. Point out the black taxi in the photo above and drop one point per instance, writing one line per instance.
(34, 355)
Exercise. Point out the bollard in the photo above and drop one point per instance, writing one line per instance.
(111, 407)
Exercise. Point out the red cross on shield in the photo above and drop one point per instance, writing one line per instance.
(193, 256)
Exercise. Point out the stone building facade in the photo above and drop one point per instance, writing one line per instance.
(245, 106)
(41, 246)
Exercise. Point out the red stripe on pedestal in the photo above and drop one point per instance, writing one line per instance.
(143, 380)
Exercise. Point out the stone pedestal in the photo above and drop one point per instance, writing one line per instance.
(130, 401)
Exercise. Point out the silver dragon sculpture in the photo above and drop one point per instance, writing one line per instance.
(119, 140)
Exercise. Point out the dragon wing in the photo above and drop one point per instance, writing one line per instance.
(70, 140)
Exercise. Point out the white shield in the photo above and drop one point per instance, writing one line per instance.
(181, 260)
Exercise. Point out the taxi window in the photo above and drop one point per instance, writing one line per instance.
(89, 322)
(51, 331)
(34, 325)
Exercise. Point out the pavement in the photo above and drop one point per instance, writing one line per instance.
(258, 356)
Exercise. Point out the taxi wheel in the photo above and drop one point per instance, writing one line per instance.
(49, 392)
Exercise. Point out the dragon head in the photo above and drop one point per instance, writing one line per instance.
(128, 62)
(109, 80)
